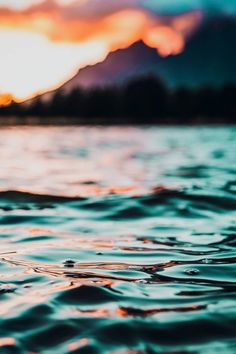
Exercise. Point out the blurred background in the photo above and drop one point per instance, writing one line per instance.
(135, 61)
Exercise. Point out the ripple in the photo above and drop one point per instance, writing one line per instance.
(118, 240)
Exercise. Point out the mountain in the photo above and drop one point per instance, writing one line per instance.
(209, 59)
(121, 65)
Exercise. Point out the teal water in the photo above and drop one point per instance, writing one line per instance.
(117, 240)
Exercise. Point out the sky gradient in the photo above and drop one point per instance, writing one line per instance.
(44, 43)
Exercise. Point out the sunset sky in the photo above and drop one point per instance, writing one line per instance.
(44, 42)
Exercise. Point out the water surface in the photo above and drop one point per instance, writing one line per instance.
(117, 240)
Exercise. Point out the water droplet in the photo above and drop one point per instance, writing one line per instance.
(207, 261)
(192, 271)
(141, 281)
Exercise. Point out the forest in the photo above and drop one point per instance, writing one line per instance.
(143, 100)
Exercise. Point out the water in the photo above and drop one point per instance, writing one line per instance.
(117, 240)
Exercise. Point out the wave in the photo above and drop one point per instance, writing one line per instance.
(129, 248)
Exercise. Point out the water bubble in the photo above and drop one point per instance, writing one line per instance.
(141, 281)
(207, 261)
(192, 271)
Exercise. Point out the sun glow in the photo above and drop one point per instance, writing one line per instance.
(38, 64)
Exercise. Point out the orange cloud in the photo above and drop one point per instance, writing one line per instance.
(75, 21)
(167, 40)
(119, 28)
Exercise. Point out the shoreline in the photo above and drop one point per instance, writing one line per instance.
(75, 121)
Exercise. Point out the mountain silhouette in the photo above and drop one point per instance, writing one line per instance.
(119, 66)
(209, 59)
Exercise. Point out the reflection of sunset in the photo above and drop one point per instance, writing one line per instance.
(45, 44)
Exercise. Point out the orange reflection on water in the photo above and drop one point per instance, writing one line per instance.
(51, 165)
(99, 313)
(132, 312)
(40, 232)
(125, 312)
(78, 344)
(7, 341)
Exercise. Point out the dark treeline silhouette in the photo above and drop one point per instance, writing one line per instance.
(140, 101)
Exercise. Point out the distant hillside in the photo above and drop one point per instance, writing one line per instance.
(209, 59)
(120, 65)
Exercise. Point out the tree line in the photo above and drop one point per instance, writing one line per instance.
(141, 100)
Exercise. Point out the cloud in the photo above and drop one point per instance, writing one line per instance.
(83, 20)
